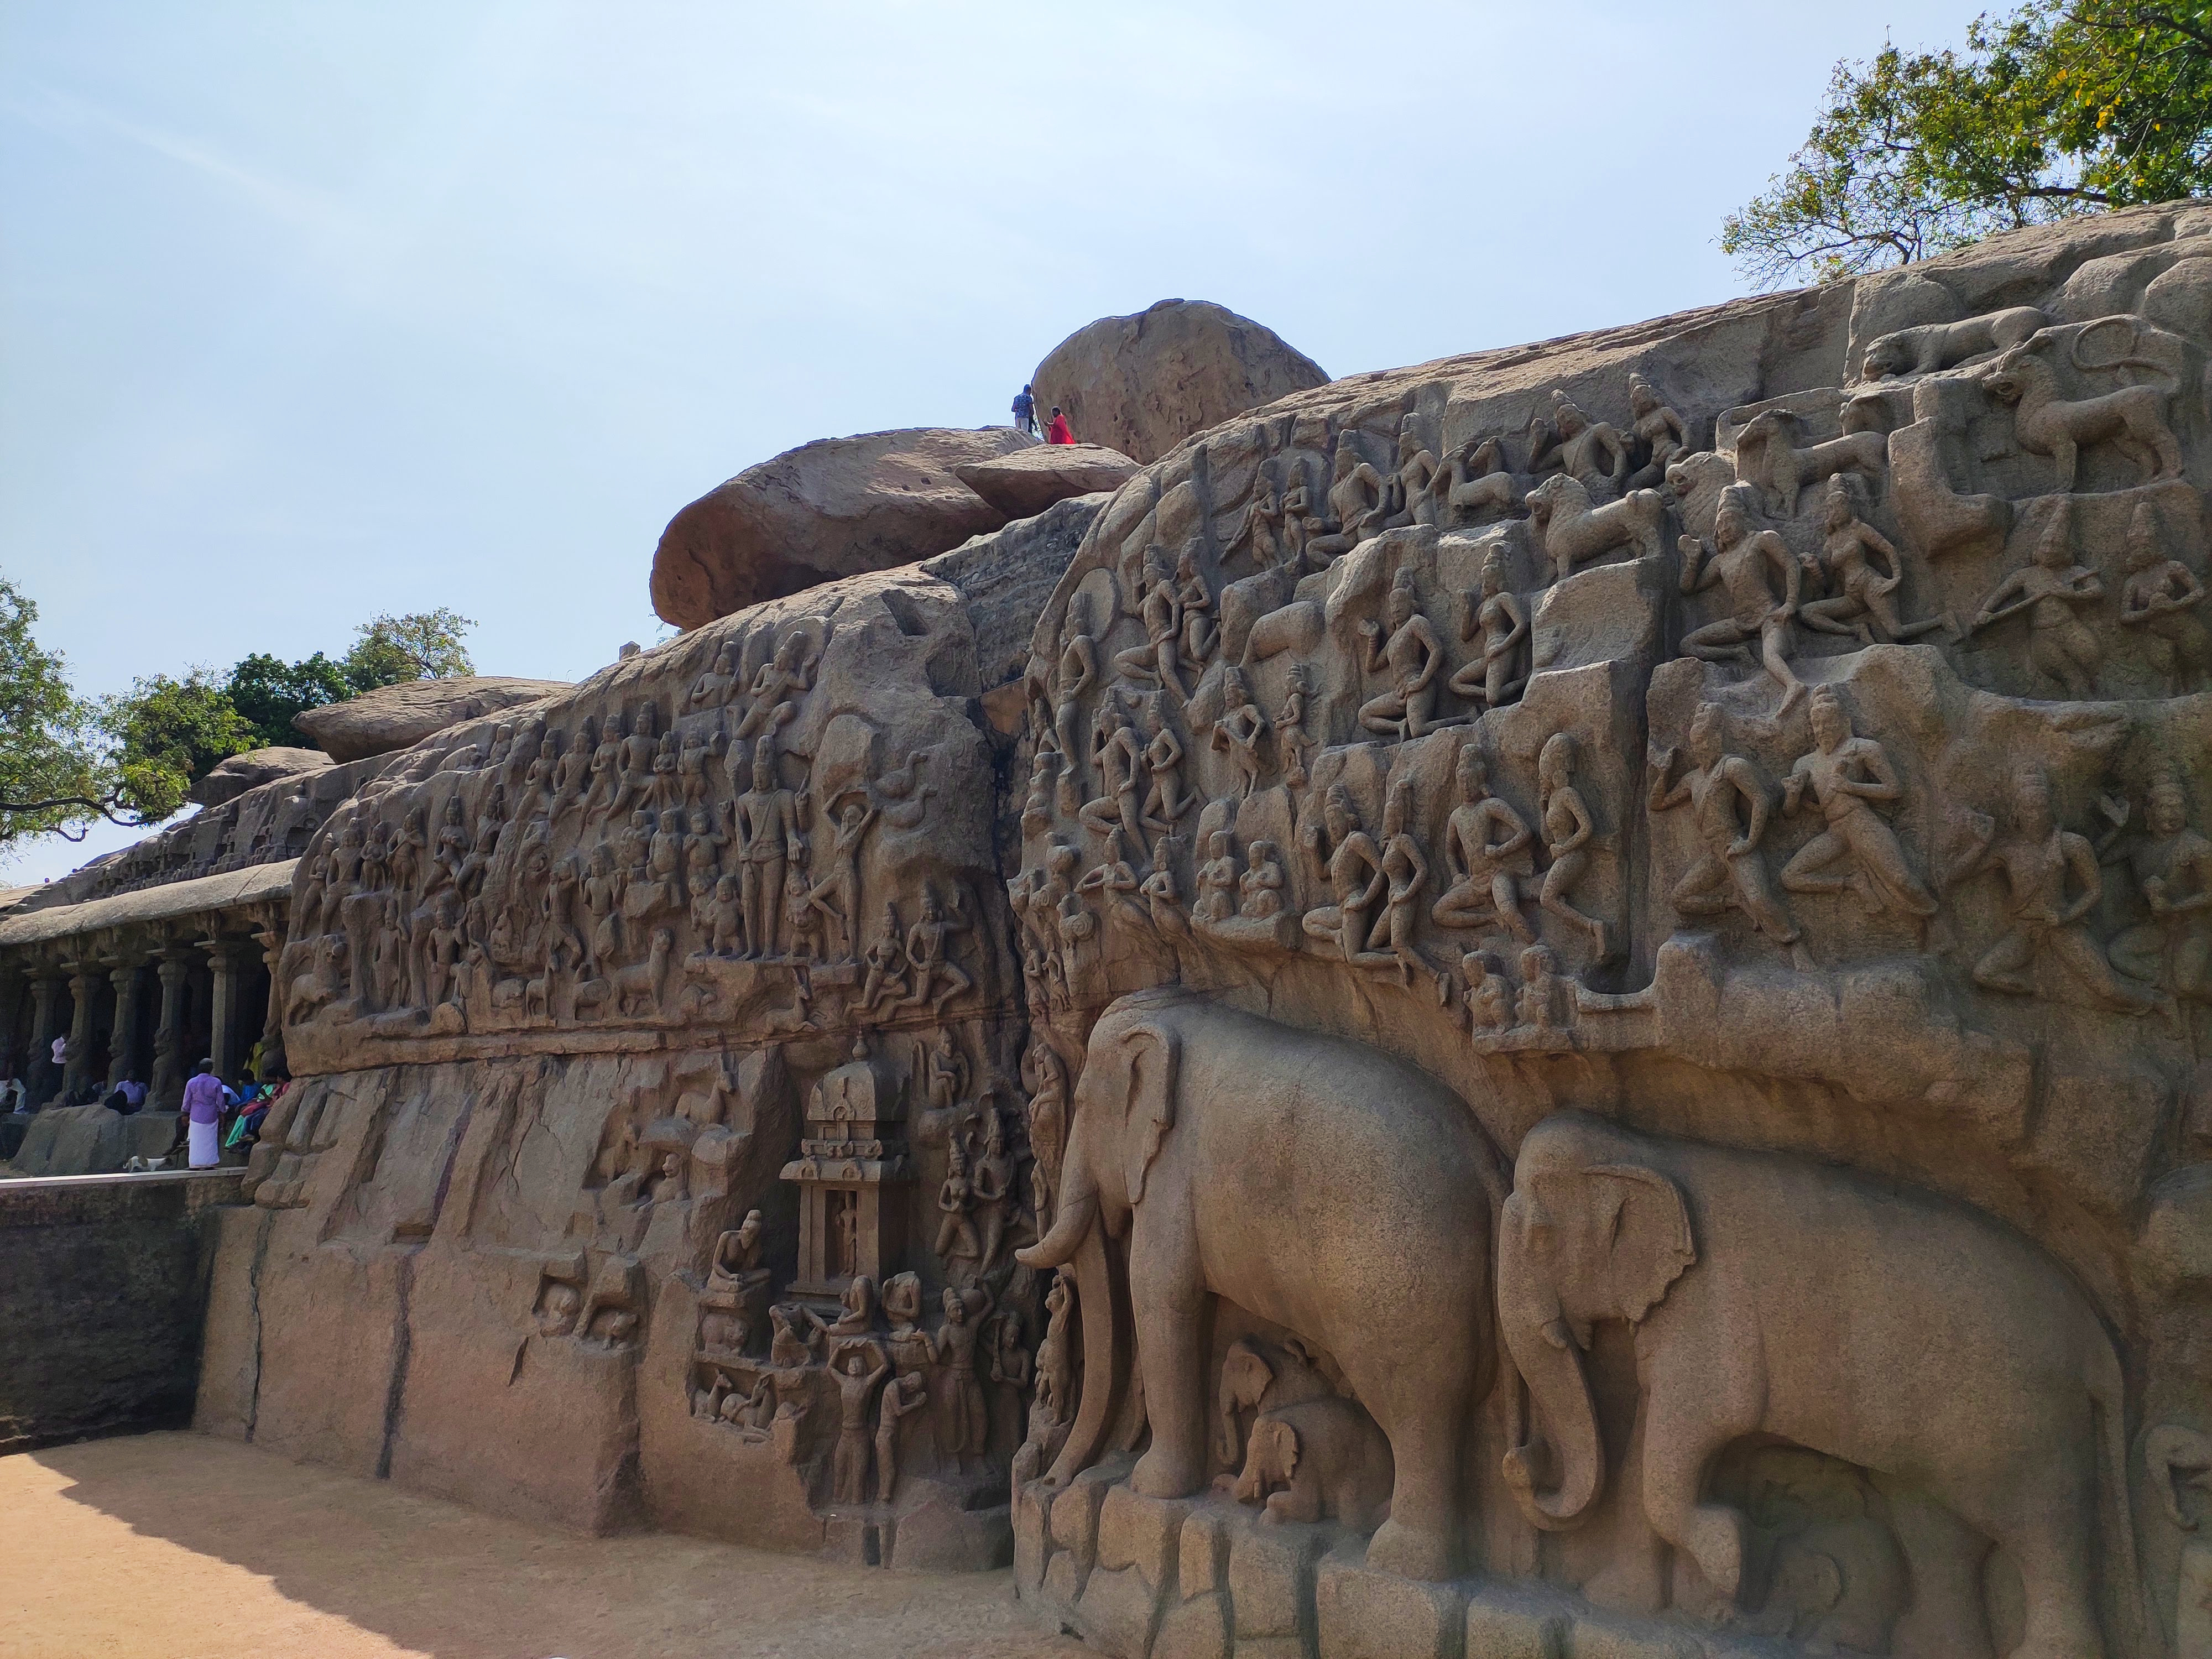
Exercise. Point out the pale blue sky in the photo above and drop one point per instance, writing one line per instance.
(313, 311)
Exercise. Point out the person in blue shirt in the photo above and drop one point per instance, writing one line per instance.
(1025, 411)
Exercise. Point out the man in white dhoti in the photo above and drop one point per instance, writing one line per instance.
(202, 1110)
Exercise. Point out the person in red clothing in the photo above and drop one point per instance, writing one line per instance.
(1057, 433)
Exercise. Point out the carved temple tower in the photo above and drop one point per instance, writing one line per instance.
(846, 1228)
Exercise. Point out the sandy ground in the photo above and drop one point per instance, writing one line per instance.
(180, 1547)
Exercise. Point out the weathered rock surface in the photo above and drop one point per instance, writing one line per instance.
(255, 767)
(394, 717)
(834, 508)
(1143, 384)
(1025, 482)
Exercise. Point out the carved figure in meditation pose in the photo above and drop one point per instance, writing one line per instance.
(1489, 998)
(2039, 860)
(1353, 864)
(1847, 776)
(2158, 596)
(1217, 880)
(2173, 867)
(1241, 729)
(1537, 1005)
(1568, 828)
(1498, 619)
(2048, 590)
(1486, 852)
(1261, 887)
(1739, 563)
(1409, 654)
(1863, 605)
(1726, 868)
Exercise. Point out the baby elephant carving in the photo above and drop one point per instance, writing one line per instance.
(1324, 1459)
(1256, 1377)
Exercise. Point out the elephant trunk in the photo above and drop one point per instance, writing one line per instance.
(1079, 1214)
(1545, 1351)
(1105, 1358)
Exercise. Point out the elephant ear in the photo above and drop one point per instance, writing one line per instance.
(1645, 1225)
(1155, 1057)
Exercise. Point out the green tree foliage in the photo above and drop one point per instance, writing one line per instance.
(66, 763)
(2063, 107)
(168, 733)
(54, 774)
(424, 645)
(268, 691)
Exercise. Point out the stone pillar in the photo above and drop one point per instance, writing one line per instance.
(169, 1068)
(11, 1017)
(82, 982)
(226, 961)
(40, 1080)
(271, 938)
(124, 1037)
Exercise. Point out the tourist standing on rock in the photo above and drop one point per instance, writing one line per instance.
(1025, 411)
(202, 1111)
(1057, 432)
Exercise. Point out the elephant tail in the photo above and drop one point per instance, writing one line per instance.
(2107, 1389)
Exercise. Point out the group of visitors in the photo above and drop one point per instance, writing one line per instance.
(1057, 430)
(213, 1117)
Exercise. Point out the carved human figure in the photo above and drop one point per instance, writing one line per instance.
(1412, 497)
(2158, 598)
(956, 1239)
(856, 1372)
(1406, 878)
(1409, 654)
(1165, 799)
(1046, 1078)
(1260, 889)
(777, 686)
(2048, 589)
(1118, 756)
(1739, 563)
(885, 978)
(937, 978)
(1730, 810)
(1077, 673)
(1847, 776)
(1055, 1357)
(1241, 729)
(1536, 1006)
(807, 916)
(2039, 861)
(993, 1186)
(633, 760)
(1158, 661)
(766, 820)
(1591, 452)
(1353, 865)
(1292, 739)
(967, 1421)
(1217, 880)
(1497, 618)
(1862, 604)
(1113, 880)
(1568, 828)
(1261, 533)
(1355, 492)
(902, 1397)
(1486, 852)
(1195, 607)
(1488, 997)
(2172, 868)
(1162, 894)
(944, 1072)
(713, 687)
(1660, 435)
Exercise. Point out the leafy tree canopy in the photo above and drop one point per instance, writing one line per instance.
(2063, 107)
(66, 763)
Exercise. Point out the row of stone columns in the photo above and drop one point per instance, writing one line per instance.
(65, 999)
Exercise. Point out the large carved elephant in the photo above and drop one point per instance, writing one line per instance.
(1880, 1325)
(1314, 1183)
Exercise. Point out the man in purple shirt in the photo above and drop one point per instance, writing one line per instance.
(203, 1110)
